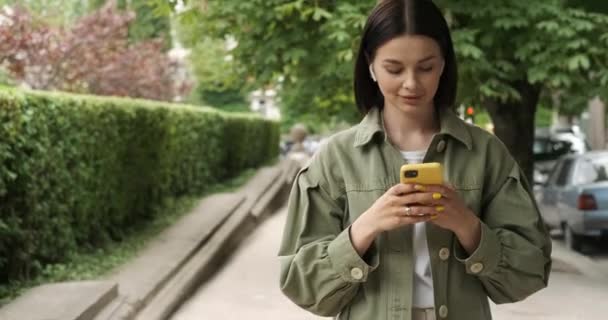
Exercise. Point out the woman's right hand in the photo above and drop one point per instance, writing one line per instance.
(389, 212)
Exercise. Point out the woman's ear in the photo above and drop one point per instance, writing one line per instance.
(371, 72)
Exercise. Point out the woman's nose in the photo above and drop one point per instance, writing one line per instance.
(409, 81)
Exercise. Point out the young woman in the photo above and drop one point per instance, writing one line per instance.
(360, 245)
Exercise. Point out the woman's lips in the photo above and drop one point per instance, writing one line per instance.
(410, 98)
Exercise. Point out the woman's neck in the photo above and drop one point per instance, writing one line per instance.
(410, 132)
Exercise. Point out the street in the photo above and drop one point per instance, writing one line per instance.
(247, 288)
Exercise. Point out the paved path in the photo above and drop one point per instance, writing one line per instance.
(247, 288)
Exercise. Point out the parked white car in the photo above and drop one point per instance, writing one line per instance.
(575, 197)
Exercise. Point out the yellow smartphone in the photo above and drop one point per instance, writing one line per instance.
(422, 173)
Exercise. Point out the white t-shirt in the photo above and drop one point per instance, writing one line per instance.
(423, 278)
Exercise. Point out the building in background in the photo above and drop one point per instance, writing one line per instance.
(264, 102)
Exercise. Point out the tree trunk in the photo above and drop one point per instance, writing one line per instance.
(514, 123)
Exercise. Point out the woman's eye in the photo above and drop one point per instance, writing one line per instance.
(394, 71)
(426, 69)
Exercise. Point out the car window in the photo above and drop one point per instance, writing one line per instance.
(585, 172)
(590, 170)
(564, 130)
(600, 166)
(554, 173)
(564, 173)
(540, 146)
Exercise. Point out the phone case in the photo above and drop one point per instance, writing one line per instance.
(422, 173)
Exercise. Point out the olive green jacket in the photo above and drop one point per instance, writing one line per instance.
(322, 272)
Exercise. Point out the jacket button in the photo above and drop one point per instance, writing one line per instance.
(441, 146)
(443, 311)
(476, 267)
(356, 273)
(444, 254)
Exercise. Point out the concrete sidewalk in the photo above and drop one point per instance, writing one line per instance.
(247, 288)
(568, 297)
(578, 289)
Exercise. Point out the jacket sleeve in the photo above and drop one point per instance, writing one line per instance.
(513, 259)
(320, 269)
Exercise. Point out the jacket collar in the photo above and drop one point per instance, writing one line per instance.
(450, 123)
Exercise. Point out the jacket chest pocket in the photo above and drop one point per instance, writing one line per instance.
(471, 196)
(469, 186)
(362, 197)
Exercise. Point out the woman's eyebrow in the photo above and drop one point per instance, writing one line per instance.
(393, 61)
(431, 57)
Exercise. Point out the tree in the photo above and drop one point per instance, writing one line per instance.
(219, 83)
(304, 48)
(148, 24)
(92, 56)
(511, 54)
(593, 6)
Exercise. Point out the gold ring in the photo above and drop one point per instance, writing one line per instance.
(408, 210)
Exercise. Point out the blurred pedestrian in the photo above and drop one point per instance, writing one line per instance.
(297, 150)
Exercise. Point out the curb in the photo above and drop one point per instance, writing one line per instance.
(569, 261)
(142, 278)
(211, 257)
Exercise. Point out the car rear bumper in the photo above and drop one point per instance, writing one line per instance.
(595, 223)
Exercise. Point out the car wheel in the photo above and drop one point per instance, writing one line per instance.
(562, 229)
(573, 241)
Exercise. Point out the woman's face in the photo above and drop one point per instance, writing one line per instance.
(408, 69)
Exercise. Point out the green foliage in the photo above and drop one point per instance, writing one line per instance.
(231, 100)
(544, 117)
(148, 23)
(501, 45)
(593, 6)
(78, 171)
(309, 45)
(220, 83)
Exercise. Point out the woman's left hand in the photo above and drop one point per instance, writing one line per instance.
(451, 213)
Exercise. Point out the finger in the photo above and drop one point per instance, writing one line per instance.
(416, 211)
(444, 190)
(401, 188)
(449, 186)
(421, 198)
(406, 220)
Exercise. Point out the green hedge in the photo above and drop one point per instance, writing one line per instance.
(77, 171)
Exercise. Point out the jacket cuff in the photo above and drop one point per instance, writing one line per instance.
(347, 262)
(484, 260)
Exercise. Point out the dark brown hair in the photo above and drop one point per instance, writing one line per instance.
(394, 18)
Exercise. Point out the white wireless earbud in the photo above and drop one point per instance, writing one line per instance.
(371, 72)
